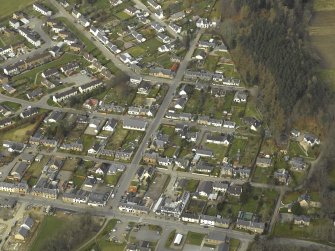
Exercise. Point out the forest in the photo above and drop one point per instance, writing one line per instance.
(267, 39)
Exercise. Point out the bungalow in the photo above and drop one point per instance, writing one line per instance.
(59, 97)
(231, 81)
(224, 139)
(281, 175)
(69, 68)
(157, 27)
(139, 37)
(30, 111)
(311, 139)
(30, 36)
(110, 125)
(130, 10)
(175, 28)
(298, 164)
(204, 153)
(256, 227)
(6, 122)
(90, 86)
(51, 72)
(134, 124)
(235, 190)
(204, 23)
(177, 16)
(205, 188)
(42, 9)
(240, 97)
(229, 124)
(220, 187)
(154, 5)
(144, 88)
(263, 161)
(164, 38)
(166, 47)
(301, 220)
(14, 23)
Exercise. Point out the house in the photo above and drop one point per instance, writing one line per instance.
(164, 38)
(191, 218)
(224, 139)
(14, 23)
(28, 223)
(177, 16)
(231, 82)
(301, 220)
(256, 227)
(62, 96)
(157, 27)
(164, 161)
(240, 97)
(136, 80)
(253, 123)
(42, 9)
(6, 122)
(19, 170)
(130, 10)
(180, 103)
(51, 72)
(297, 164)
(214, 221)
(204, 168)
(29, 112)
(96, 199)
(220, 187)
(150, 158)
(229, 124)
(311, 139)
(161, 73)
(75, 13)
(281, 175)
(8, 203)
(21, 188)
(110, 125)
(38, 92)
(30, 36)
(235, 190)
(204, 23)
(166, 47)
(159, 13)
(154, 5)
(144, 88)
(263, 161)
(134, 124)
(295, 133)
(22, 234)
(69, 68)
(200, 55)
(139, 37)
(90, 86)
(14, 147)
(205, 188)
(177, 29)
(133, 208)
(204, 153)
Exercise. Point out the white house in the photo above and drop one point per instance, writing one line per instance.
(42, 9)
(204, 23)
(135, 124)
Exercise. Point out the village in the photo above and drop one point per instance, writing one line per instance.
(140, 113)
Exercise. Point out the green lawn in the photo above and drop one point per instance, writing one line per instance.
(113, 179)
(234, 244)
(192, 185)
(170, 238)
(194, 238)
(8, 7)
(21, 133)
(50, 226)
(295, 149)
(262, 174)
(12, 105)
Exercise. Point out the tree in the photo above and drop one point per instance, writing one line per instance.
(220, 206)
(297, 209)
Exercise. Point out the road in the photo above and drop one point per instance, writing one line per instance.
(130, 172)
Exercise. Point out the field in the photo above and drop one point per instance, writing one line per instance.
(19, 134)
(50, 226)
(322, 35)
(8, 7)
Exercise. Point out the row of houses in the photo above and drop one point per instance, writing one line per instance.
(62, 96)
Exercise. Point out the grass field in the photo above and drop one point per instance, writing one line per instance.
(50, 226)
(8, 7)
(20, 134)
(194, 238)
(321, 5)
